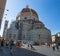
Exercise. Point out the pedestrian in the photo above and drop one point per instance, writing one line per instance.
(48, 45)
(2, 43)
(28, 45)
(53, 46)
(7, 43)
(11, 45)
(57, 47)
(31, 46)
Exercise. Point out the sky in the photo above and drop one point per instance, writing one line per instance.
(47, 10)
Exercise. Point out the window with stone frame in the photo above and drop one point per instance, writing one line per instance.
(37, 27)
(25, 18)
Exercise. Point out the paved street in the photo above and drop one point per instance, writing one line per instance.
(18, 52)
(39, 51)
(46, 50)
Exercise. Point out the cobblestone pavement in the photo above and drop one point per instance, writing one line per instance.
(18, 52)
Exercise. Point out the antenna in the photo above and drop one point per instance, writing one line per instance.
(27, 6)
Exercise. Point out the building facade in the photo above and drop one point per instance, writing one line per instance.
(58, 38)
(30, 28)
(12, 32)
(5, 29)
(2, 7)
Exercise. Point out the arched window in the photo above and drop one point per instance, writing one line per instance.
(25, 18)
(18, 18)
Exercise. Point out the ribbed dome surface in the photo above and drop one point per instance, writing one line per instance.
(28, 11)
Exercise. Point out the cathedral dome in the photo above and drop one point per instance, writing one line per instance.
(27, 12)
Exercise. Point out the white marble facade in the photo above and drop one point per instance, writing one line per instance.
(31, 28)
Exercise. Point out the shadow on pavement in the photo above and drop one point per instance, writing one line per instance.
(25, 52)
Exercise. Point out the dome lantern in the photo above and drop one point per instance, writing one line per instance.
(27, 6)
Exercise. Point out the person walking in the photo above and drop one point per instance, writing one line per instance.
(53, 46)
(31, 45)
(7, 43)
(2, 43)
(28, 45)
(57, 47)
(11, 45)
